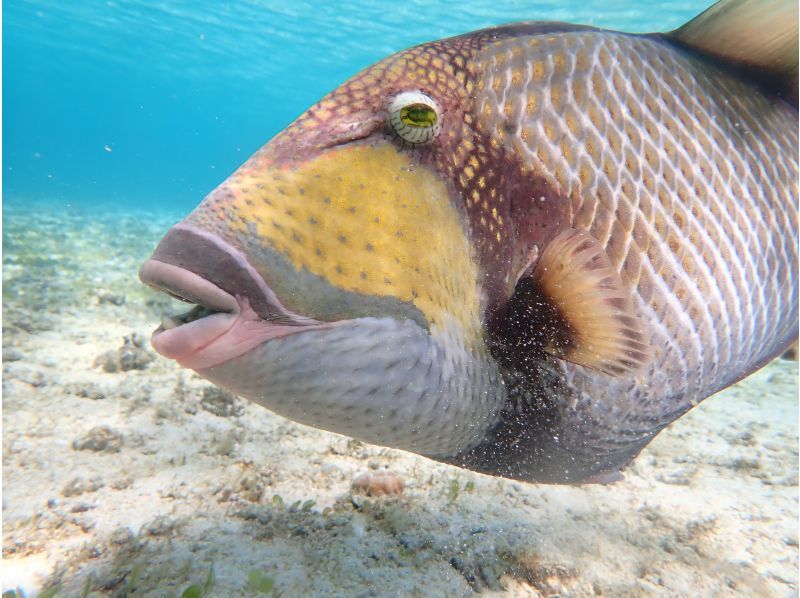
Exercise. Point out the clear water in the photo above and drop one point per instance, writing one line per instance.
(145, 104)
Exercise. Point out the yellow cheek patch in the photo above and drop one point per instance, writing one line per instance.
(367, 221)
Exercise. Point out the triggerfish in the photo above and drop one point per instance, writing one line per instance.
(523, 250)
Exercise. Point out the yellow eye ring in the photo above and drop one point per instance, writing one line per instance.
(414, 117)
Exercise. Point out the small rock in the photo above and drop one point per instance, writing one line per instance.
(122, 483)
(33, 377)
(378, 483)
(109, 361)
(107, 297)
(81, 507)
(547, 577)
(225, 444)
(746, 463)
(220, 403)
(99, 439)
(12, 354)
(133, 355)
(78, 486)
(251, 488)
(130, 356)
(677, 477)
(160, 526)
(87, 391)
(121, 535)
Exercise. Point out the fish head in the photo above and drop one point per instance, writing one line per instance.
(335, 274)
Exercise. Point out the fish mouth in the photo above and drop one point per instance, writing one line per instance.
(214, 310)
(233, 310)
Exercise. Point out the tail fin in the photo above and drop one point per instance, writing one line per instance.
(758, 35)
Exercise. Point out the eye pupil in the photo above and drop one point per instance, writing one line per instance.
(418, 115)
(414, 117)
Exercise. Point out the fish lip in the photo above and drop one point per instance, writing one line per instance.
(186, 285)
(222, 265)
(214, 338)
(199, 267)
(189, 338)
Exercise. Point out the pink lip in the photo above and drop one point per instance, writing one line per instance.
(215, 338)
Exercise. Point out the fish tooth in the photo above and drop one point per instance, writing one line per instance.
(168, 322)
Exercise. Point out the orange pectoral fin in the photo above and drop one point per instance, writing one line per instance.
(604, 332)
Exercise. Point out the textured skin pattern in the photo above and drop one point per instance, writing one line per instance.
(381, 230)
(381, 380)
(687, 176)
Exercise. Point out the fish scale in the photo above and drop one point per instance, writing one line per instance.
(691, 280)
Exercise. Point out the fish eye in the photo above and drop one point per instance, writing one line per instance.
(414, 117)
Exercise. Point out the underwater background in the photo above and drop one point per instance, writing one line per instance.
(124, 475)
(151, 104)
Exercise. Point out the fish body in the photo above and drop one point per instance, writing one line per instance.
(524, 250)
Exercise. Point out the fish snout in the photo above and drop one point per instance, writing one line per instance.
(233, 308)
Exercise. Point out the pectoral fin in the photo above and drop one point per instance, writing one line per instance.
(603, 330)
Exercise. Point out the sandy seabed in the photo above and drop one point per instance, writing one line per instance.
(145, 481)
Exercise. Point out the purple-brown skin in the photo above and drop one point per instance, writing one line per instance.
(545, 128)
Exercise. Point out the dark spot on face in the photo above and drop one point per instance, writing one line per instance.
(302, 191)
(369, 247)
(312, 220)
(387, 281)
(363, 275)
(352, 209)
(339, 269)
(342, 238)
(326, 200)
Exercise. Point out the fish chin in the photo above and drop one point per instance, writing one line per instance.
(217, 338)
(380, 380)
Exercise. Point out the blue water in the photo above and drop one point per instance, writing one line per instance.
(145, 104)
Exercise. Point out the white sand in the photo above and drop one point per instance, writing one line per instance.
(710, 508)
